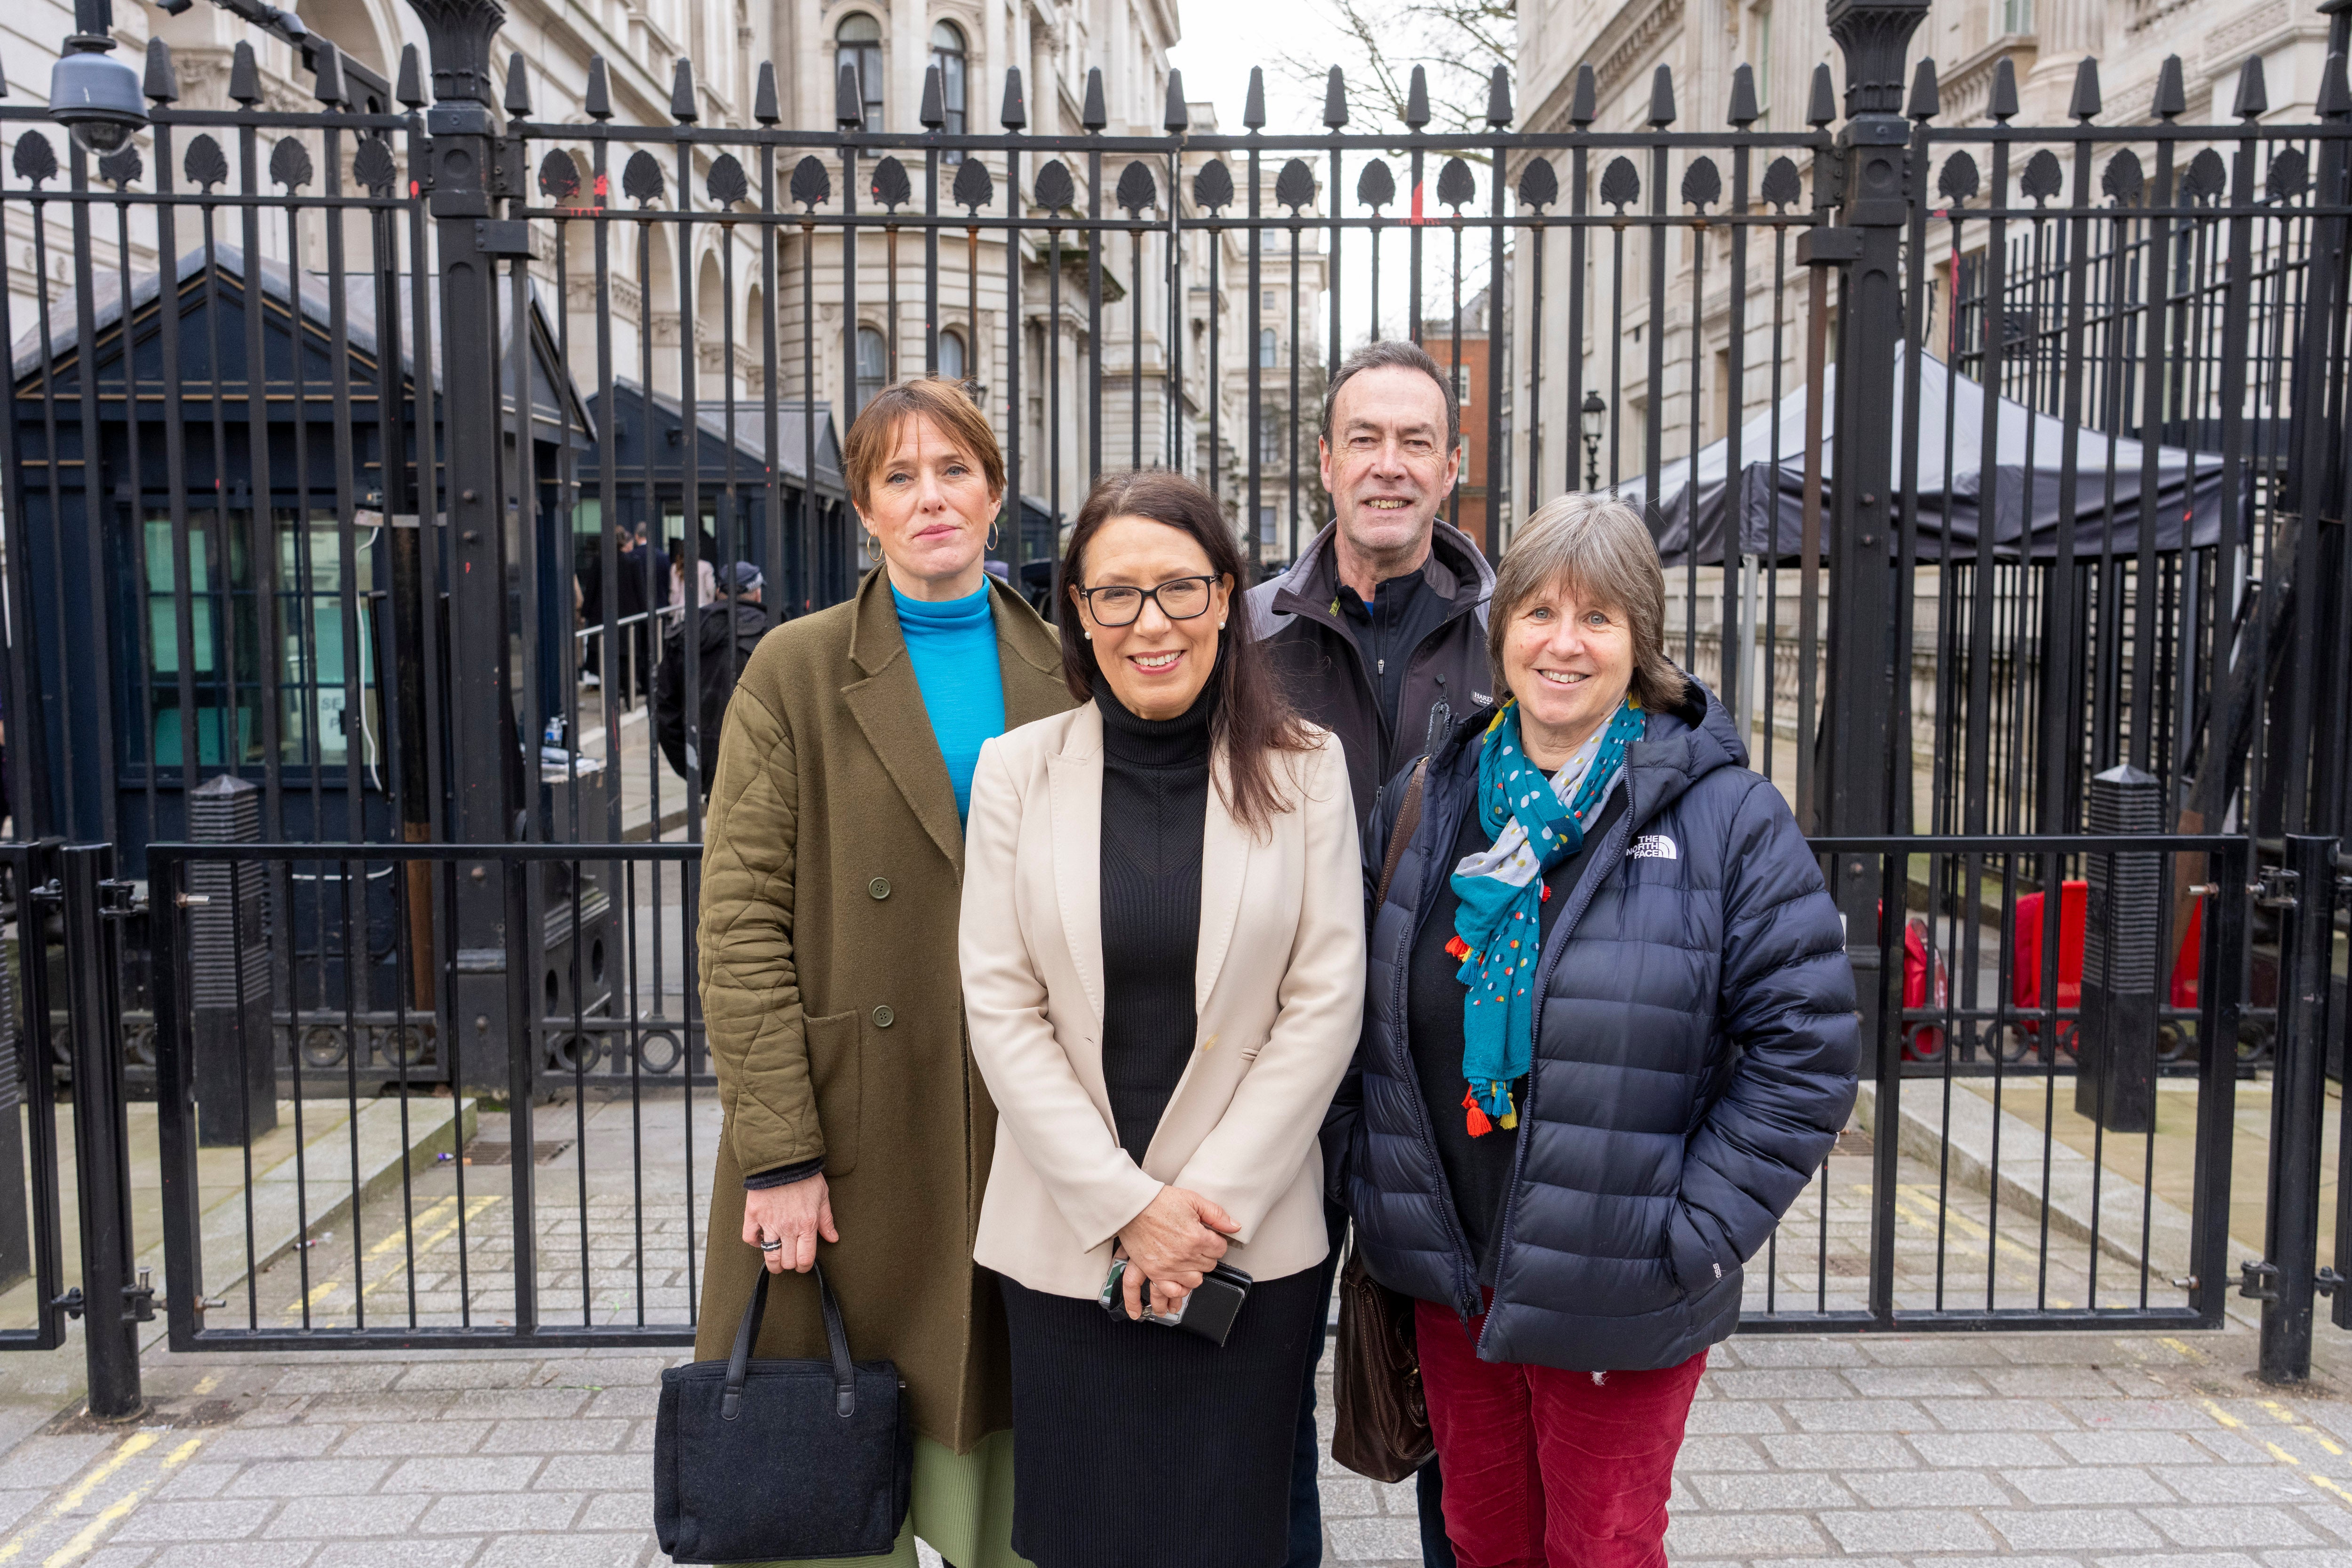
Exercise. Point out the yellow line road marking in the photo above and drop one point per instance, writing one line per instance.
(2183, 1349)
(2325, 1485)
(2288, 1418)
(2224, 1416)
(89, 1534)
(395, 1241)
(205, 1386)
(131, 1448)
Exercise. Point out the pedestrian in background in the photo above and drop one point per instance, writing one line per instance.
(1163, 949)
(833, 854)
(1380, 634)
(1609, 1037)
(729, 629)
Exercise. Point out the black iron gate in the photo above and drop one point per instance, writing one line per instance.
(1998, 469)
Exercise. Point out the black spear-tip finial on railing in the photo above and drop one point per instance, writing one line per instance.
(848, 99)
(1583, 104)
(1927, 101)
(518, 88)
(2335, 90)
(1743, 112)
(598, 102)
(1014, 115)
(327, 74)
(410, 88)
(2085, 104)
(763, 96)
(1662, 97)
(2171, 90)
(1416, 100)
(682, 107)
(2254, 99)
(1254, 103)
(244, 75)
(1499, 113)
(933, 114)
(2000, 104)
(162, 83)
(1175, 118)
(1335, 100)
(1097, 113)
(1821, 103)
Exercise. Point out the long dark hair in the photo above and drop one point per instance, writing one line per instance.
(1254, 720)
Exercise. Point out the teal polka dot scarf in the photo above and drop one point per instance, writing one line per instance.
(1534, 822)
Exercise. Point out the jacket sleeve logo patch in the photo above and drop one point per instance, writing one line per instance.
(1654, 847)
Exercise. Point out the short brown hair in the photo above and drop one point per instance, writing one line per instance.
(1253, 718)
(1598, 547)
(1400, 353)
(874, 433)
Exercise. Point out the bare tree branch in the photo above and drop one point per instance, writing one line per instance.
(1459, 42)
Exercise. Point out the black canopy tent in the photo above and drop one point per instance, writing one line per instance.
(1767, 494)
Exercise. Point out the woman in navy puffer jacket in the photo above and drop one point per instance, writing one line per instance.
(1609, 1036)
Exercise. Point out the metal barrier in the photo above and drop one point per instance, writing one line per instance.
(438, 1208)
(2001, 1202)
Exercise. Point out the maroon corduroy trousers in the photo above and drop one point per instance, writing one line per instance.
(1546, 1469)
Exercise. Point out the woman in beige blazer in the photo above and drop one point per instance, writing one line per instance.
(1163, 964)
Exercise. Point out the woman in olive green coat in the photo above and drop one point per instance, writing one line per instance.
(832, 870)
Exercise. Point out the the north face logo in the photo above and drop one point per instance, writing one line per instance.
(1654, 847)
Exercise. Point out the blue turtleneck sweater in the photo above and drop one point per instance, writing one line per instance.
(952, 643)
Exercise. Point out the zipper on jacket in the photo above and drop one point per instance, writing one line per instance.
(1611, 855)
(1466, 1274)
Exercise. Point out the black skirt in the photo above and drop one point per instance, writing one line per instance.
(1147, 1447)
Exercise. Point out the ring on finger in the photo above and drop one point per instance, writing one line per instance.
(771, 1246)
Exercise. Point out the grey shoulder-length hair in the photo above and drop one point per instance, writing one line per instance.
(1598, 547)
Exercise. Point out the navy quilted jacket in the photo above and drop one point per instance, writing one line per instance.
(1696, 1044)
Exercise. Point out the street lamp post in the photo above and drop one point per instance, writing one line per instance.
(94, 98)
(1595, 413)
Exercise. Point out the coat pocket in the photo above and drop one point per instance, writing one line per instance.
(835, 1076)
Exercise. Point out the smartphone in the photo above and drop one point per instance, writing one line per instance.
(1208, 1311)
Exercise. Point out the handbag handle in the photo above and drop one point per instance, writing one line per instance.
(1400, 831)
(836, 1340)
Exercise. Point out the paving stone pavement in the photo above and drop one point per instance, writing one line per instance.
(2078, 1450)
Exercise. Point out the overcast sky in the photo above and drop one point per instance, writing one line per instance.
(1223, 39)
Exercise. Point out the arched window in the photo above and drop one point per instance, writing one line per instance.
(859, 41)
(953, 362)
(873, 363)
(1265, 345)
(948, 53)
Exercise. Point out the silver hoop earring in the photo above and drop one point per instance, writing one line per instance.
(992, 531)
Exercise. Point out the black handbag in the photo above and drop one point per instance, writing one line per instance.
(762, 1459)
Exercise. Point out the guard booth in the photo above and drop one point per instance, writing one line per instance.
(247, 638)
(810, 561)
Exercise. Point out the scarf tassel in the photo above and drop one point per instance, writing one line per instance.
(1495, 1112)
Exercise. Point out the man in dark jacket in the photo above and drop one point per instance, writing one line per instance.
(1379, 634)
(729, 629)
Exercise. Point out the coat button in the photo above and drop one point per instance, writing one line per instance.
(884, 1017)
(879, 887)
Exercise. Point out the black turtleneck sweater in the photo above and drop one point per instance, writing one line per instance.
(1155, 797)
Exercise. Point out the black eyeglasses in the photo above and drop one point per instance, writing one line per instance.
(1179, 598)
